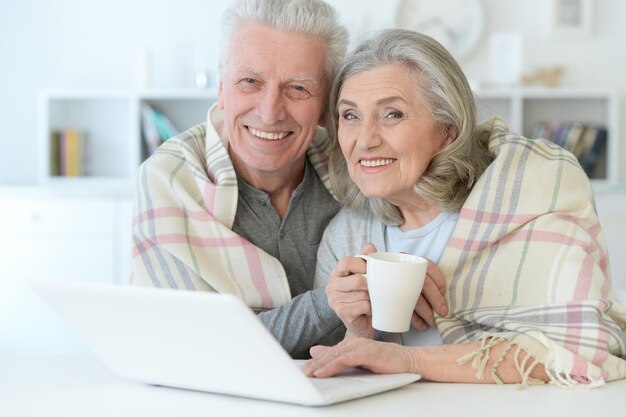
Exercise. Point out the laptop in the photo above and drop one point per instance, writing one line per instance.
(196, 340)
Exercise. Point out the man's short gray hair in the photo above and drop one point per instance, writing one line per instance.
(311, 17)
(454, 169)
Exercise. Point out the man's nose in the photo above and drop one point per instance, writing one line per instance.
(271, 106)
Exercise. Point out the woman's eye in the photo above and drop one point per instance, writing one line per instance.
(394, 115)
(349, 116)
(249, 80)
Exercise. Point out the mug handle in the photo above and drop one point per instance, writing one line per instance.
(364, 257)
(379, 335)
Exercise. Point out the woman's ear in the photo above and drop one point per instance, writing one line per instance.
(450, 135)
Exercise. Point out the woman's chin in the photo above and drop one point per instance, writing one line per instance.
(374, 194)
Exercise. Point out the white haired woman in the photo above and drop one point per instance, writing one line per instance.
(509, 222)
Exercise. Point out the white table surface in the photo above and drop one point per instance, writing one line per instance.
(48, 386)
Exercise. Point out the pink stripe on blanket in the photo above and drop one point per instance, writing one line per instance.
(572, 337)
(257, 275)
(209, 196)
(575, 315)
(252, 257)
(495, 218)
(520, 236)
(171, 212)
(594, 232)
(203, 242)
(146, 244)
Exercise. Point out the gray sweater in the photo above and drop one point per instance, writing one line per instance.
(347, 233)
(308, 320)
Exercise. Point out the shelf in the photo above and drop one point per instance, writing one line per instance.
(523, 108)
(110, 121)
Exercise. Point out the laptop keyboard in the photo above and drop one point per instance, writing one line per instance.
(334, 383)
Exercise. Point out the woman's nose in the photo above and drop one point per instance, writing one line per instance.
(370, 135)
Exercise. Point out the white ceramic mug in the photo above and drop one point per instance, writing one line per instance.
(394, 282)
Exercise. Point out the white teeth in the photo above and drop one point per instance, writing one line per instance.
(267, 135)
(376, 162)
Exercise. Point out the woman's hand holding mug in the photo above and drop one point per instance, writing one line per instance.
(349, 296)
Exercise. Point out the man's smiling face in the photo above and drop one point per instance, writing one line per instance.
(272, 91)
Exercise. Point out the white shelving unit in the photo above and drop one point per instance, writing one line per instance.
(521, 108)
(111, 121)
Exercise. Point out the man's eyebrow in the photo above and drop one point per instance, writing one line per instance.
(244, 68)
(303, 79)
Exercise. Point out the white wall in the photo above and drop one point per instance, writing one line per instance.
(94, 43)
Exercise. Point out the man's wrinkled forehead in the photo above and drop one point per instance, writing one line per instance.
(252, 46)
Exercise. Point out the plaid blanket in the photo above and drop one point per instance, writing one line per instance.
(527, 265)
(185, 205)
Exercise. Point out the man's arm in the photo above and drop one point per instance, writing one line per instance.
(306, 321)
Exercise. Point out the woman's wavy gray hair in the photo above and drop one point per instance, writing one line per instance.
(453, 171)
(311, 17)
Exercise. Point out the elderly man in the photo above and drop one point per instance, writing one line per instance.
(239, 204)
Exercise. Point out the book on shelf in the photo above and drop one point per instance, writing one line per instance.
(586, 141)
(594, 156)
(156, 127)
(67, 153)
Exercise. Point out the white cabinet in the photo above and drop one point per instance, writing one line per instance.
(523, 108)
(56, 235)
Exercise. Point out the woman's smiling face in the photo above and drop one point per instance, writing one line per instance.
(386, 131)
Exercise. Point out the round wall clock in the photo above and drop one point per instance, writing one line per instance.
(457, 24)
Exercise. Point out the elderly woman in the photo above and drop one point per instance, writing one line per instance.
(509, 222)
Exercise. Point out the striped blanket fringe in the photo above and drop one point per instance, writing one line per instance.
(480, 357)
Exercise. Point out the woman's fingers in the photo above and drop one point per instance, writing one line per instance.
(350, 312)
(378, 357)
(318, 350)
(424, 311)
(328, 361)
(418, 322)
(348, 283)
(434, 290)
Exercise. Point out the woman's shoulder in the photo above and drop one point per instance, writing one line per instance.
(349, 219)
(352, 229)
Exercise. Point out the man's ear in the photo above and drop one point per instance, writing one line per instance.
(322, 121)
(220, 96)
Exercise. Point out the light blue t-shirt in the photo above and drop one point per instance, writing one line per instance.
(427, 241)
